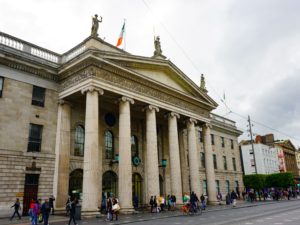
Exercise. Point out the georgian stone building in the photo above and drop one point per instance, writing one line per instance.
(97, 119)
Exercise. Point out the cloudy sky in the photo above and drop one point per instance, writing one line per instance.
(247, 49)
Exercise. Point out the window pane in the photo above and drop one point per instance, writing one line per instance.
(215, 161)
(38, 96)
(212, 139)
(79, 141)
(217, 186)
(35, 138)
(1, 85)
(109, 144)
(231, 142)
(204, 187)
(134, 146)
(200, 136)
(222, 142)
(234, 164)
(227, 187)
(225, 162)
(202, 158)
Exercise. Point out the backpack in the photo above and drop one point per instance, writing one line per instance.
(69, 206)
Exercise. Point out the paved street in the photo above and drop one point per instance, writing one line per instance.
(283, 212)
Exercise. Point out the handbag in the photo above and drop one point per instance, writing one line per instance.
(40, 218)
(116, 207)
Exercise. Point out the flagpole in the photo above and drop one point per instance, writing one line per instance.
(124, 35)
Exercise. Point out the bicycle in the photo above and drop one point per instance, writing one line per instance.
(191, 210)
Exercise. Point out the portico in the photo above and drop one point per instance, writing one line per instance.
(146, 104)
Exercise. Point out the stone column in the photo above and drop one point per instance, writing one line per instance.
(62, 154)
(176, 187)
(152, 152)
(91, 165)
(125, 167)
(193, 157)
(209, 166)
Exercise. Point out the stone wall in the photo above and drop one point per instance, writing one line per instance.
(16, 113)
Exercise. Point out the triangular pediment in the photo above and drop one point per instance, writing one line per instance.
(159, 71)
(166, 74)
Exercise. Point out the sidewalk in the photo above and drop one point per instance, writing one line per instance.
(141, 216)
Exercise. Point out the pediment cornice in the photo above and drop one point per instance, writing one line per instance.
(101, 70)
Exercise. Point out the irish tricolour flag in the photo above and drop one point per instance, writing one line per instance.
(120, 40)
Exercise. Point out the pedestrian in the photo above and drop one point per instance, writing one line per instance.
(173, 197)
(51, 203)
(203, 202)
(233, 197)
(169, 201)
(68, 205)
(151, 203)
(135, 202)
(35, 212)
(72, 211)
(46, 209)
(109, 209)
(219, 198)
(155, 202)
(115, 208)
(17, 207)
(31, 205)
(162, 202)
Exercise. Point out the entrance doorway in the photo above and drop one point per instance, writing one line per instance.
(137, 187)
(30, 191)
(75, 183)
(110, 184)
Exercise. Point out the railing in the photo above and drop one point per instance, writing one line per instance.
(75, 53)
(222, 120)
(23, 46)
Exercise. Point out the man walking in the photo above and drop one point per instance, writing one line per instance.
(51, 203)
(72, 211)
(46, 211)
(17, 207)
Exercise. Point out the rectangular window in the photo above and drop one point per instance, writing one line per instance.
(35, 138)
(202, 158)
(204, 187)
(217, 186)
(212, 137)
(231, 144)
(252, 162)
(227, 186)
(236, 184)
(215, 161)
(1, 85)
(225, 162)
(200, 136)
(222, 142)
(234, 164)
(38, 96)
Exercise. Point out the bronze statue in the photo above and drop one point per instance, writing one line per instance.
(202, 84)
(157, 46)
(95, 25)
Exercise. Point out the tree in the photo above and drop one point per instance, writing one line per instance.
(280, 180)
(255, 181)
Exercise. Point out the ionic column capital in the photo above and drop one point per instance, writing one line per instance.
(126, 99)
(92, 88)
(63, 102)
(173, 114)
(207, 125)
(191, 121)
(150, 107)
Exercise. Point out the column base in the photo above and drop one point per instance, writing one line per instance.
(213, 202)
(127, 210)
(90, 213)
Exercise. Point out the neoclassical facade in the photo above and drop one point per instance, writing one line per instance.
(97, 120)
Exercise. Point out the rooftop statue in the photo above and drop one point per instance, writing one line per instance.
(95, 25)
(202, 84)
(157, 46)
(158, 51)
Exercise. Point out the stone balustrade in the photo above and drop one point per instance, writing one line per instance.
(31, 49)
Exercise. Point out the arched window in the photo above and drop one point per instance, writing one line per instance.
(79, 141)
(134, 146)
(109, 144)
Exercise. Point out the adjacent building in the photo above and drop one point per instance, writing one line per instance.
(98, 119)
(266, 159)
